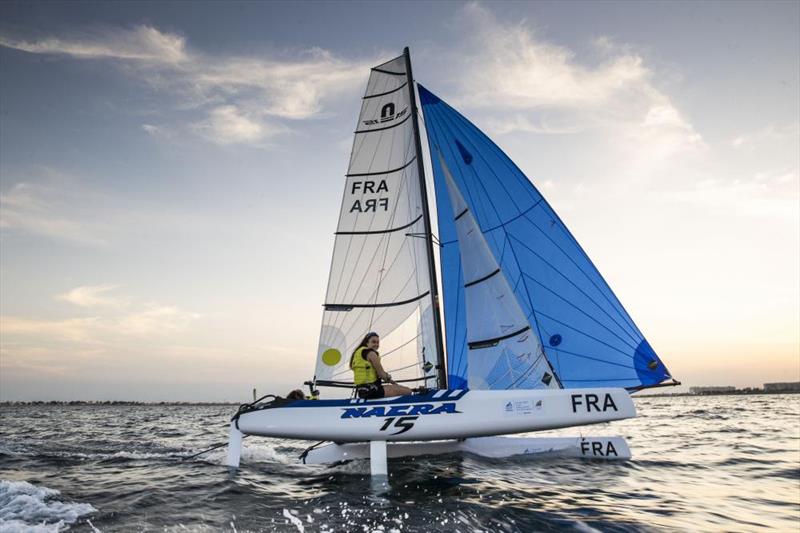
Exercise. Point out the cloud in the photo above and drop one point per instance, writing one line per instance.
(770, 133)
(766, 195)
(92, 296)
(44, 209)
(294, 90)
(229, 125)
(297, 88)
(524, 123)
(155, 318)
(514, 70)
(158, 131)
(664, 130)
(46, 202)
(77, 330)
(143, 43)
(512, 67)
(145, 321)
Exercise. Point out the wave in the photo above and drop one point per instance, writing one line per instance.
(31, 508)
(251, 453)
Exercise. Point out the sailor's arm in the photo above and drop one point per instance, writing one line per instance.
(375, 361)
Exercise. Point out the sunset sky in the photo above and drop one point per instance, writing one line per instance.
(171, 174)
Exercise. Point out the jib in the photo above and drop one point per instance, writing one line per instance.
(591, 402)
(398, 410)
(596, 448)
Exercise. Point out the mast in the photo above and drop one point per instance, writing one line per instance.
(437, 321)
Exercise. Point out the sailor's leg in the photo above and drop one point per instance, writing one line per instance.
(377, 458)
(234, 446)
(390, 389)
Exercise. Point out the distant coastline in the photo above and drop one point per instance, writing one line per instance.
(738, 392)
(110, 402)
(105, 403)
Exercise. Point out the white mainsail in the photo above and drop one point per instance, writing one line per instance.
(379, 279)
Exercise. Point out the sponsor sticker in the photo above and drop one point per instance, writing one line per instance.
(522, 407)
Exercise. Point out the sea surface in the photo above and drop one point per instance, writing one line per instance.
(717, 463)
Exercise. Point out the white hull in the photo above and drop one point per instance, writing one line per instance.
(610, 448)
(438, 415)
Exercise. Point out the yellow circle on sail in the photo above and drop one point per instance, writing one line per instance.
(331, 356)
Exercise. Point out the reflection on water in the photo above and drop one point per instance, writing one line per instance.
(711, 463)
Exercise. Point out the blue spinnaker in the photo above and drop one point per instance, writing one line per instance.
(587, 336)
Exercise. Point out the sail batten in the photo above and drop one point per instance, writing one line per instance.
(333, 307)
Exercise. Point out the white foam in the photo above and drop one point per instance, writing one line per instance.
(26, 507)
(137, 455)
(253, 452)
(294, 520)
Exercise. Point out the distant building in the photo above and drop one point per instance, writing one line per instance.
(711, 390)
(793, 386)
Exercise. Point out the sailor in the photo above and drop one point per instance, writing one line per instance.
(297, 394)
(369, 375)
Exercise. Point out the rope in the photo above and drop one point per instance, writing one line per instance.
(215, 447)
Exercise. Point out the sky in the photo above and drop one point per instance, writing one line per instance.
(171, 175)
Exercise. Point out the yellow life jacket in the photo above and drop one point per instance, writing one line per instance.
(363, 372)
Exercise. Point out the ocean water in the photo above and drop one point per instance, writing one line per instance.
(719, 463)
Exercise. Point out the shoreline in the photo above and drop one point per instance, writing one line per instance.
(702, 394)
(106, 403)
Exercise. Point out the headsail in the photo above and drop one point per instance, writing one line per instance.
(503, 351)
(380, 278)
(587, 336)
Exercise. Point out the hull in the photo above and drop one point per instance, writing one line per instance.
(437, 415)
(610, 448)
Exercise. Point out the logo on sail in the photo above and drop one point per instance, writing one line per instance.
(387, 115)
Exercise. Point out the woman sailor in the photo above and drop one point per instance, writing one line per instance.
(368, 374)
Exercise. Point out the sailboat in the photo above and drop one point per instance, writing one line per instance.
(499, 314)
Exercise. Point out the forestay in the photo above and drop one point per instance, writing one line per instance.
(586, 335)
(379, 278)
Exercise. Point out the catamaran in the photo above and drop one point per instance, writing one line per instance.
(500, 314)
